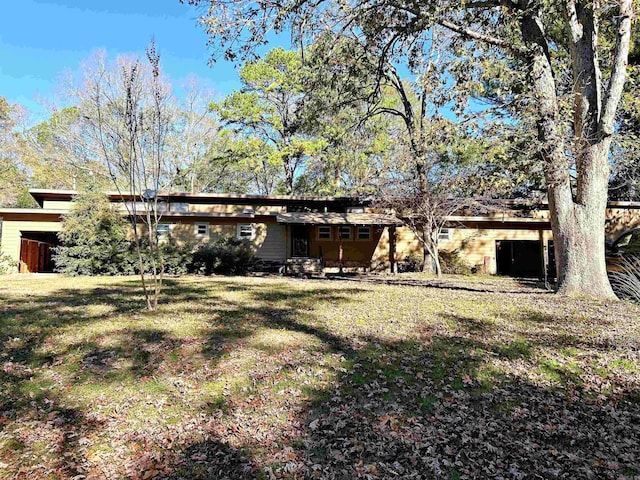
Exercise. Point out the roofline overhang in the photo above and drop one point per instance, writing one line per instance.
(26, 214)
(40, 194)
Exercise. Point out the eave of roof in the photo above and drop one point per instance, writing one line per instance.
(40, 211)
(40, 194)
(499, 219)
(497, 223)
(307, 218)
(30, 214)
(205, 215)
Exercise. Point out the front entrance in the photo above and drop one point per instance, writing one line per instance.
(299, 241)
(519, 258)
(35, 251)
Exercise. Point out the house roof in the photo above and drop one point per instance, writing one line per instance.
(307, 218)
(40, 194)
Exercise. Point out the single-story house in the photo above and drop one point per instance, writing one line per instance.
(313, 231)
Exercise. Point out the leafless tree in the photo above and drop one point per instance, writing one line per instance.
(130, 116)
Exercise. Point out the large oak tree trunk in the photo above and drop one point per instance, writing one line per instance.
(577, 212)
(579, 234)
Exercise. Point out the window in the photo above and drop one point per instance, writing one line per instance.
(444, 235)
(245, 231)
(180, 207)
(345, 232)
(364, 233)
(202, 229)
(324, 232)
(163, 229)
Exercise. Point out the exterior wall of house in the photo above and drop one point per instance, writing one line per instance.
(268, 239)
(619, 220)
(11, 237)
(237, 209)
(476, 244)
(56, 204)
(407, 245)
(473, 244)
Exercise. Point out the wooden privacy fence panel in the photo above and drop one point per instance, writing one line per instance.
(35, 256)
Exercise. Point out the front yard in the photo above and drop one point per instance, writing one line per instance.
(286, 378)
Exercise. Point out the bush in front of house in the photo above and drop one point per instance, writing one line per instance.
(411, 263)
(95, 241)
(94, 238)
(453, 263)
(176, 257)
(7, 264)
(224, 256)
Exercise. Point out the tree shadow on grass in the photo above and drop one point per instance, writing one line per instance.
(518, 286)
(440, 407)
(35, 416)
(434, 406)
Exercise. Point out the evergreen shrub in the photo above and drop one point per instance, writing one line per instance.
(451, 262)
(94, 238)
(224, 256)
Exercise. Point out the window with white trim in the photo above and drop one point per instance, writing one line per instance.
(324, 232)
(202, 229)
(245, 231)
(345, 232)
(364, 233)
(444, 235)
(163, 229)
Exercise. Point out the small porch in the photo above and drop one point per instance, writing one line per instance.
(317, 242)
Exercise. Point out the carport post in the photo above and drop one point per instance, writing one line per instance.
(392, 249)
(543, 248)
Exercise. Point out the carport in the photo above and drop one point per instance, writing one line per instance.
(36, 251)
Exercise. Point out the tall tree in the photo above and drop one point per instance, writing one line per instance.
(58, 156)
(13, 177)
(196, 132)
(553, 47)
(435, 162)
(236, 163)
(130, 119)
(269, 107)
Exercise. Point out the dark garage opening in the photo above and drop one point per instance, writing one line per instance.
(519, 258)
(35, 251)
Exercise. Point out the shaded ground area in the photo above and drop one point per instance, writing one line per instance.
(284, 378)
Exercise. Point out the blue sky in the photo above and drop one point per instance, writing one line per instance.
(40, 39)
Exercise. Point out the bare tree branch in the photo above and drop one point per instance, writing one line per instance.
(467, 32)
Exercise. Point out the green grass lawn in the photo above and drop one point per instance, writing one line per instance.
(234, 378)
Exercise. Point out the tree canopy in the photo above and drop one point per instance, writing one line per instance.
(559, 67)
